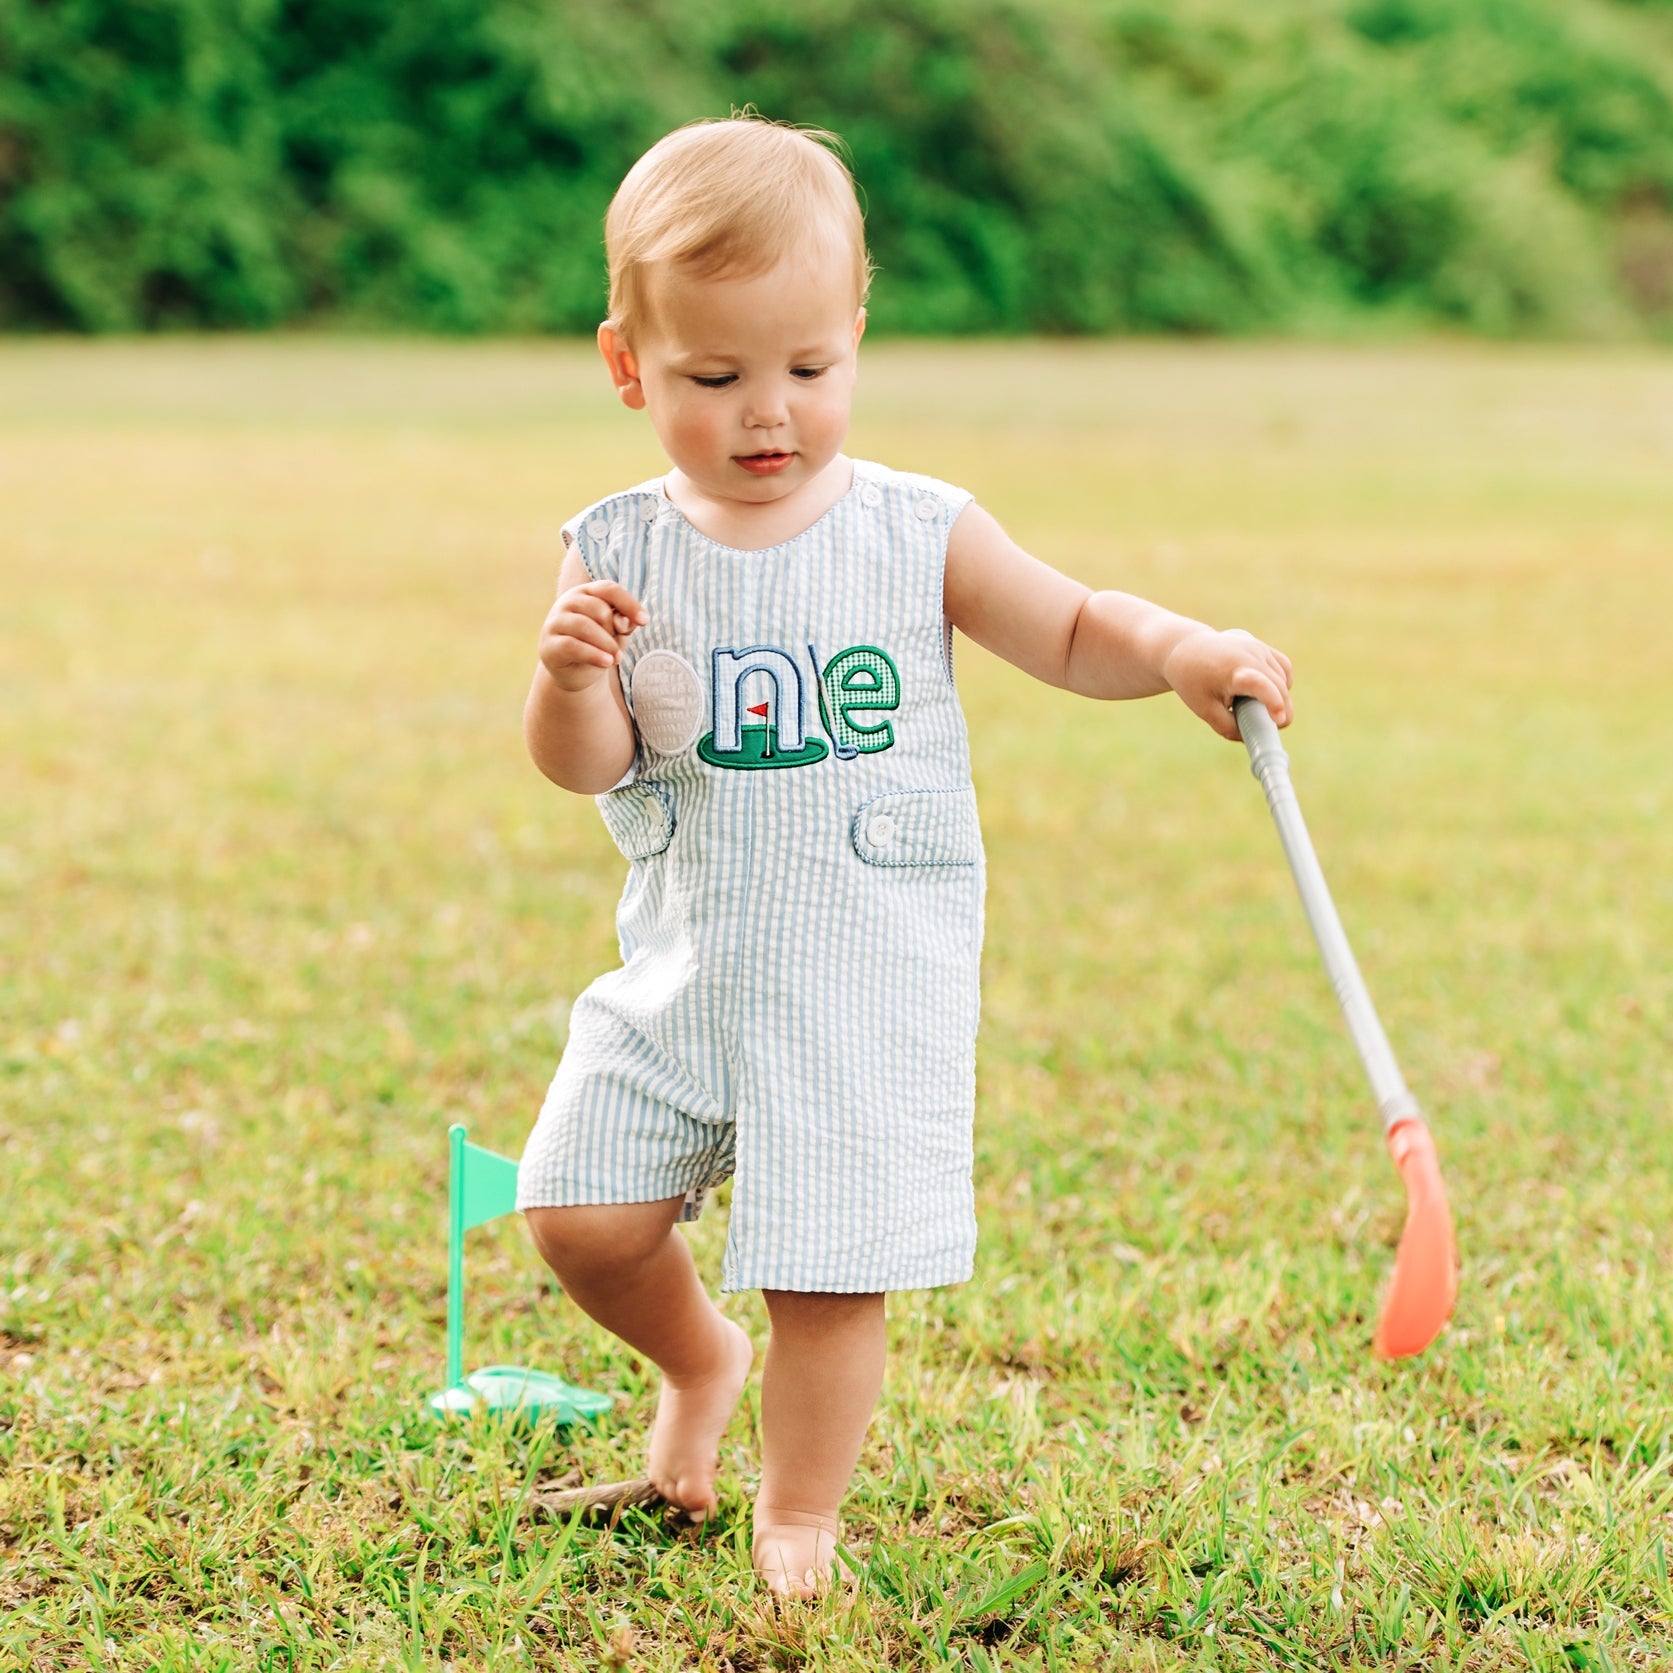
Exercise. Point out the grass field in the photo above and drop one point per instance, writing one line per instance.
(281, 897)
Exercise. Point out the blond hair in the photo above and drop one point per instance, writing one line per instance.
(732, 195)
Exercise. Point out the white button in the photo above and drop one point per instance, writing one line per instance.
(871, 496)
(928, 509)
(881, 831)
(647, 510)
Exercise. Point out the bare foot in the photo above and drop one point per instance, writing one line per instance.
(690, 1419)
(794, 1550)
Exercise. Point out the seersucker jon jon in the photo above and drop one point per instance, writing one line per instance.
(801, 926)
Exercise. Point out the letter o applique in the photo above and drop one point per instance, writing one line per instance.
(667, 701)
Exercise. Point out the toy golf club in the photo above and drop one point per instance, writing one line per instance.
(1425, 1281)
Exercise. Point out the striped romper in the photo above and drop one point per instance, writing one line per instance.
(802, 921)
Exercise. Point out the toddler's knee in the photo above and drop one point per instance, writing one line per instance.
(825, 1311)
(584, 1240)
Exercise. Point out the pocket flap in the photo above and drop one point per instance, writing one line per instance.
(639, 818)
(919, 828)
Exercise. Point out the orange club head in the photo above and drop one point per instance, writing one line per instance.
(1425, 1282)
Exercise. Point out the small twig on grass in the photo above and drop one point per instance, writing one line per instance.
(609, 1498)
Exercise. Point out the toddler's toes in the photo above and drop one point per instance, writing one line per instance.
(788, 1585)
(693, 1496)
(795, 1551)
(685, 1442)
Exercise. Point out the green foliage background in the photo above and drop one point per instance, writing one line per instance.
(1503, 166)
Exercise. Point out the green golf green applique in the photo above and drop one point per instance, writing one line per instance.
(759, 746)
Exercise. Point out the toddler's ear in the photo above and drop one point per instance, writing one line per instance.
(859, 327)
(624, 368)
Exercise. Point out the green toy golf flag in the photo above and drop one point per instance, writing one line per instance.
(488, 1183)
(482, 1186)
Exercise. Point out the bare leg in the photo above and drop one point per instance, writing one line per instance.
(627, 1267)
(824, 1369)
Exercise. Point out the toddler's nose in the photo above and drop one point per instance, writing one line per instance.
(765, 411)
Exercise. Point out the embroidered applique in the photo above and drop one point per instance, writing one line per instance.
(778, 741)
(766, 726)
(667, 700)
(861, 680)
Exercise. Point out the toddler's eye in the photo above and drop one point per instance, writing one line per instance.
(808, 373)
(723, 381)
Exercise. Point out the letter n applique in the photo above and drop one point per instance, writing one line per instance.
(780, 738)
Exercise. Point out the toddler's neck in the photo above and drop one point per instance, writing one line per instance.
(753, 528)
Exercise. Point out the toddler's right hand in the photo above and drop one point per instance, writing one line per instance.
(584, 631)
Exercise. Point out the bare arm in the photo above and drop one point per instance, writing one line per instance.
(576, 723)
(1100, 644)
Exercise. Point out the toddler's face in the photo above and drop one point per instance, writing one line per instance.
(748, 381)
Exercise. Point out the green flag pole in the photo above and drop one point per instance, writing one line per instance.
(482, 1186)
(456, 1255)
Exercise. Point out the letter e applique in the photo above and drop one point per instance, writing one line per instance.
(860, 681)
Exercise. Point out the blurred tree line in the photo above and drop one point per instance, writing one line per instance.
(1503, 166)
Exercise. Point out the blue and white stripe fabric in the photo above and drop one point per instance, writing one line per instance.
(802, 921)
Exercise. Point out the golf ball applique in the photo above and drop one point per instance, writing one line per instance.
(667, 702)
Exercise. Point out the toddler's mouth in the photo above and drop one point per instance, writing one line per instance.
(766, 463)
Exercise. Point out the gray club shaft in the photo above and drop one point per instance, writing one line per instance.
(1271, 766)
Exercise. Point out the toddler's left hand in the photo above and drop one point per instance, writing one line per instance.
(1209, 669)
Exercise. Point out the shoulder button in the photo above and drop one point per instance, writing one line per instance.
(927, 508)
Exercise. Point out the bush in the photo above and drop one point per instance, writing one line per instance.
(1083, 165)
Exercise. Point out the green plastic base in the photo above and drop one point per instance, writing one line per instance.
(519, 1393)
